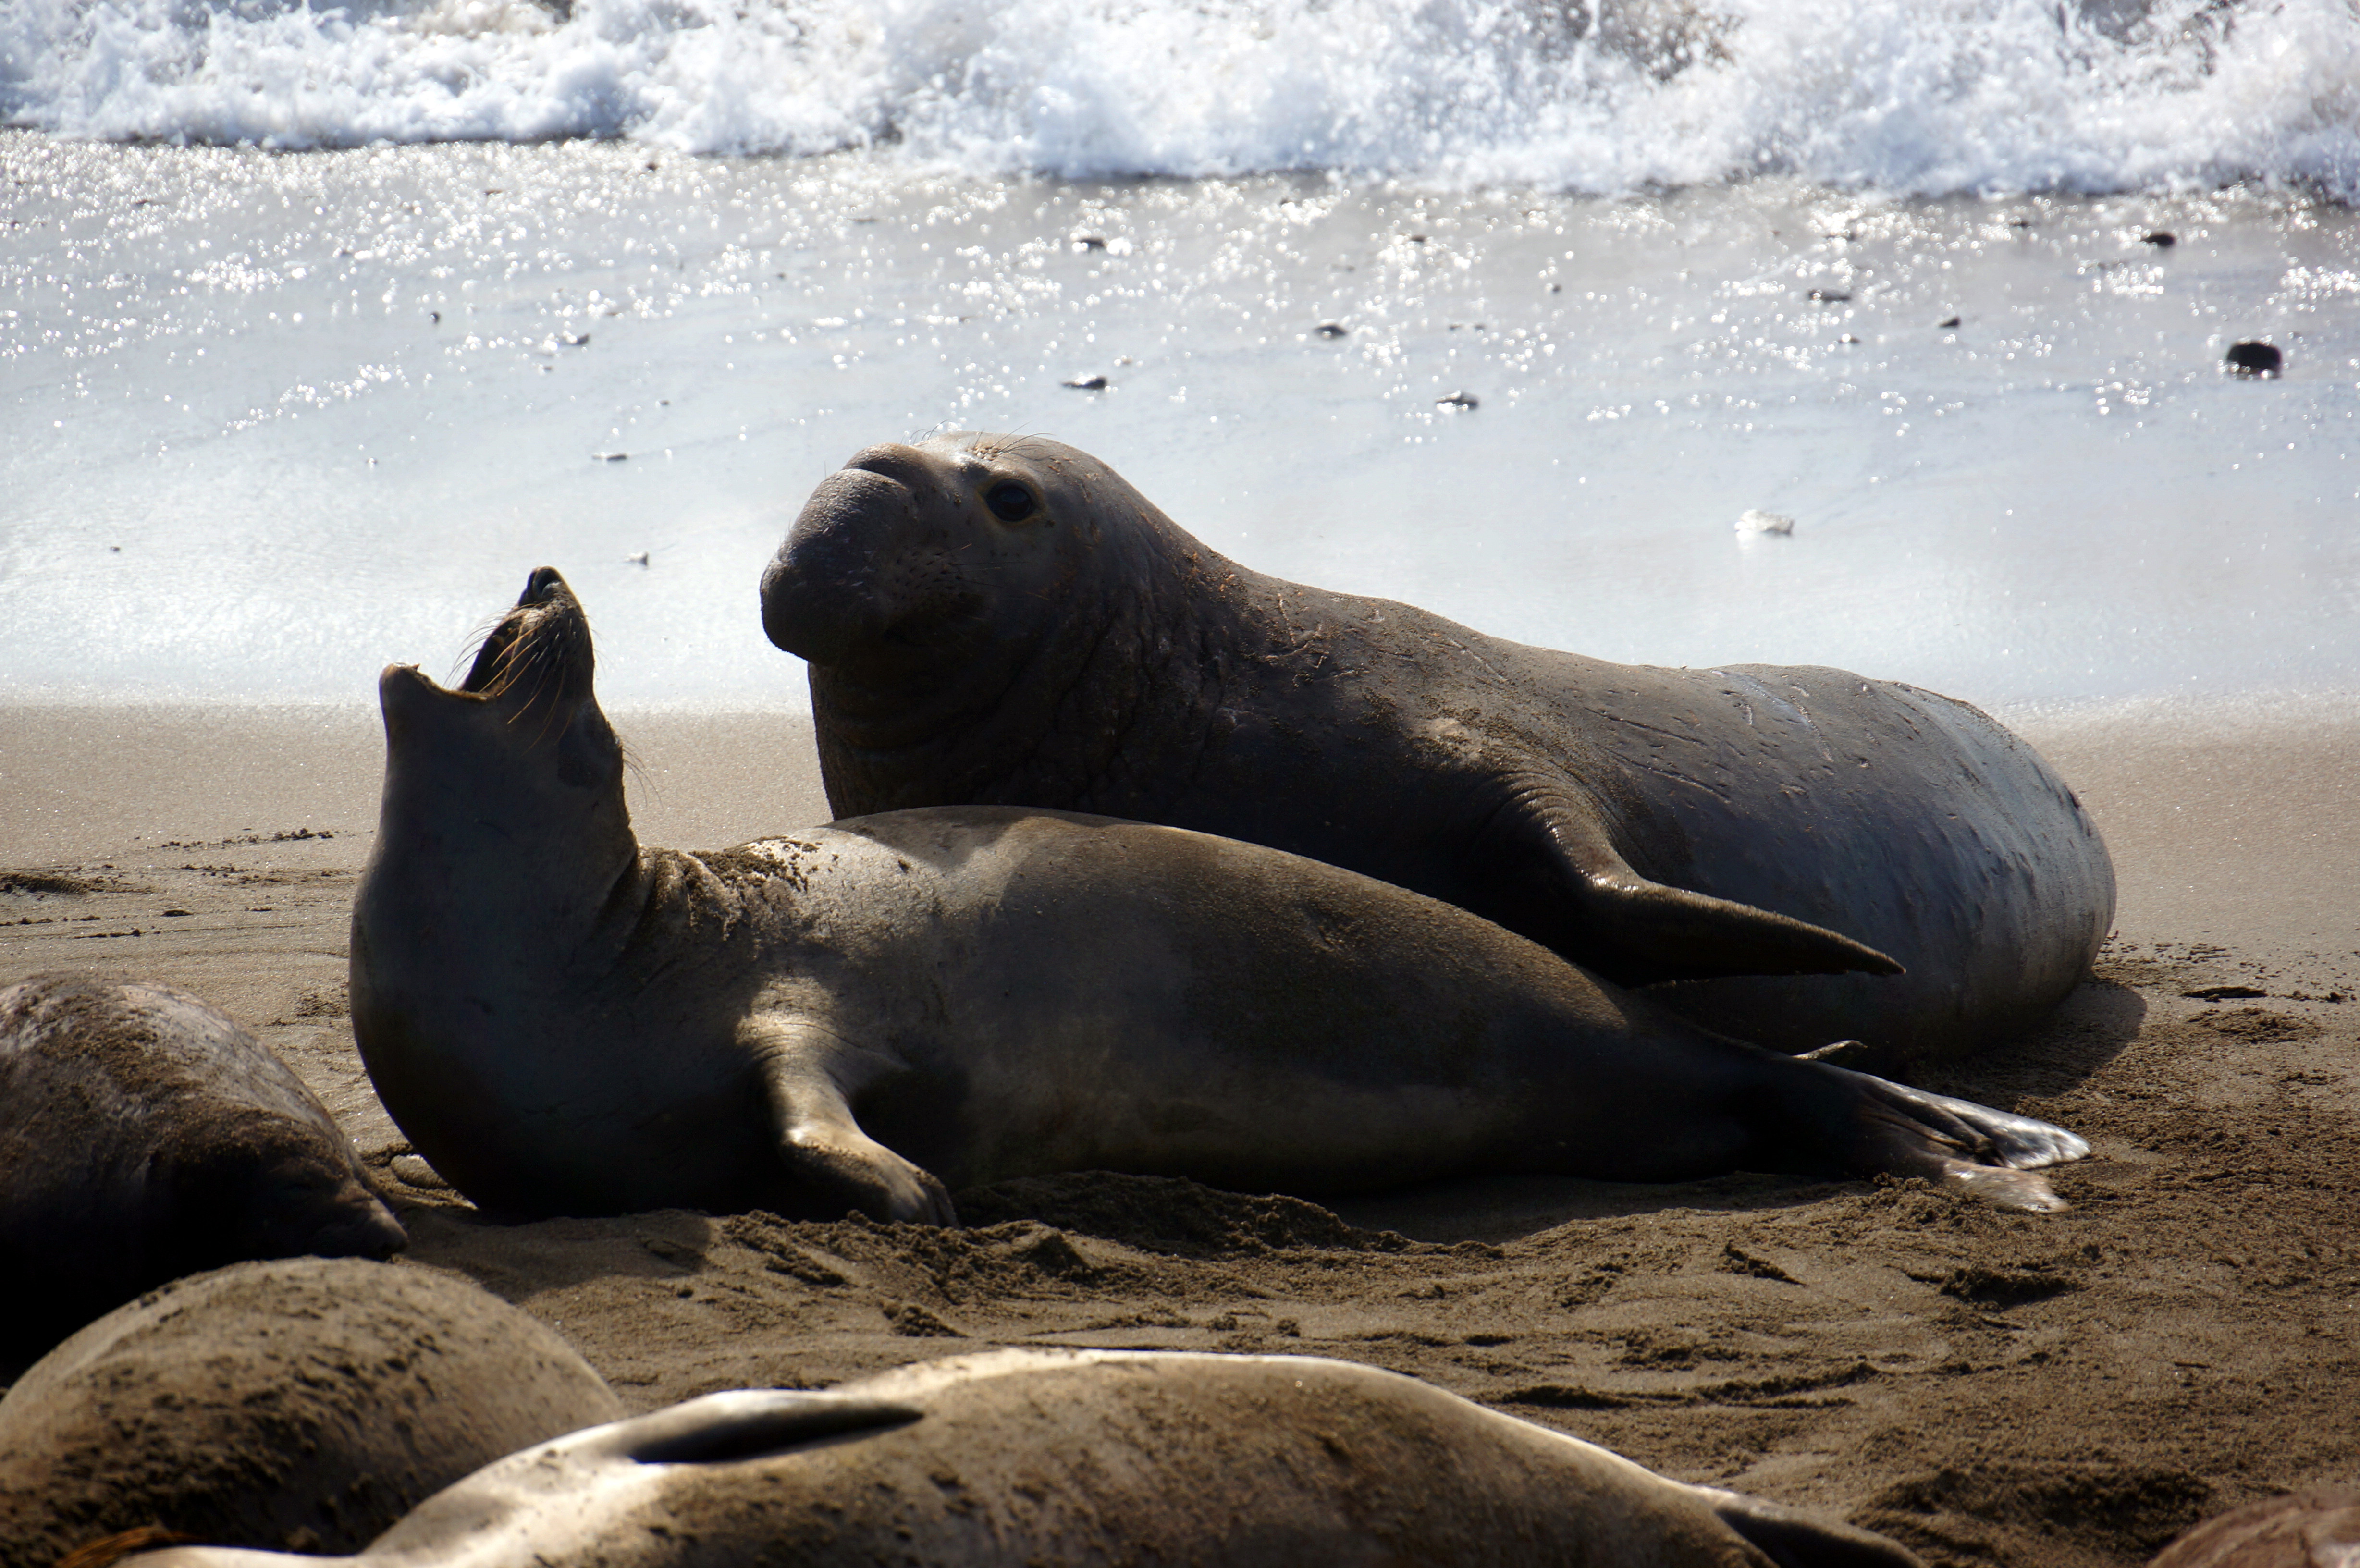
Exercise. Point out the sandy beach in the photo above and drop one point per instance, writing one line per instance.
(1990, 1388)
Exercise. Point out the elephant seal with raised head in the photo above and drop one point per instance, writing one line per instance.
(1029, 1456)
(144, 1135)
(998, 619)
(565, 1022)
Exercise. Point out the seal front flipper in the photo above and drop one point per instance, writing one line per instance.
(809, 1076)
(1640, 932)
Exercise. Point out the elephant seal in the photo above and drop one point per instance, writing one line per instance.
(995, 619)
(1027, 1456)
(2318, 1527)
(145, 1135)
(564, 1022)
(303, 1405)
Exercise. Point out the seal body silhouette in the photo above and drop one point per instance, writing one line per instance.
(144, 1135)
(304, 1404)
(1029, 1456)
(867, 1013)
(992, 619)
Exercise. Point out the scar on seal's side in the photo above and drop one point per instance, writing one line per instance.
(997, 619)
(869, 1013)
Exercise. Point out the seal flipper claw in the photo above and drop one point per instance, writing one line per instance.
(1642, 933)
(808, 1076)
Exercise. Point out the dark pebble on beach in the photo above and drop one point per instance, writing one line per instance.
(2255, 359)
(1088, 383)
(1332, 329)
(609, 456)
(1090, 242)
(1947, 322)
(1459, 400)
(1830, 297)
(2162, 239)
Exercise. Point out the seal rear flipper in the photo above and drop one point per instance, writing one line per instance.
(1963, 1145)
(809, 1075)
(1640, 932)
(1797, 1541)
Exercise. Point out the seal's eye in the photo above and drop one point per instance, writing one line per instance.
(1010, 502)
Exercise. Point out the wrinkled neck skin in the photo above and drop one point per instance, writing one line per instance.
(1150, 622)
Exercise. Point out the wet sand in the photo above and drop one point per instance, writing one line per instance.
(1989, 1386)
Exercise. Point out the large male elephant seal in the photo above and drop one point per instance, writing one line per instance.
(564, 1022)
(994, 619)
(1031, 1456)
(144, 1135)
(305, 1405)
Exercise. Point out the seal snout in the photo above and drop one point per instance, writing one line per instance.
(903, 464)
(821, 586)
(542, 644)
(543, 584)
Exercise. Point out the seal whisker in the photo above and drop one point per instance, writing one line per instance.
(547, 663)
(506, 664)
(511, 666)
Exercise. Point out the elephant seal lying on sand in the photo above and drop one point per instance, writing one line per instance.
(144, 1135)
(564, 1023)
(305, 1405)
(1028, 1456)
(995, 619)
(2318, 1527)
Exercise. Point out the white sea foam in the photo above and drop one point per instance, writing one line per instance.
(1899, 95)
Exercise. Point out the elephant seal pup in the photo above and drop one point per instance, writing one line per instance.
(303, 1405)
(564, 1023)
(1026, 1456)
(145, 1135)
(2318, 1527)
(995, 619)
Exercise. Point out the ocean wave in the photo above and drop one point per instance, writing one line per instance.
(1925, 97)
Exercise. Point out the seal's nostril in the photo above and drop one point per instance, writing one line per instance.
(540, 584)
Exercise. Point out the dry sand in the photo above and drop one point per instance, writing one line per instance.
(1990, 1388)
